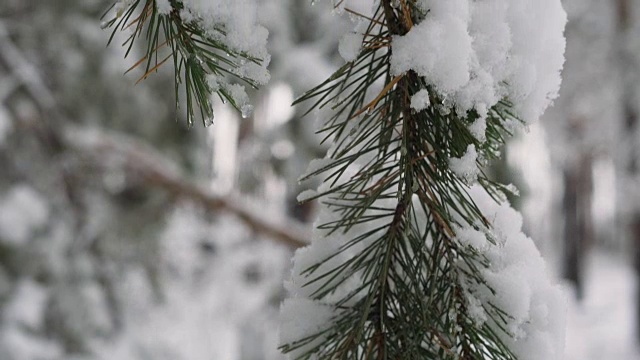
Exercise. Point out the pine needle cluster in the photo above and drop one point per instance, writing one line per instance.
(196, 53)
(410, 302)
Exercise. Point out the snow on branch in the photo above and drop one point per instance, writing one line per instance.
(216, 47)
(415, 253)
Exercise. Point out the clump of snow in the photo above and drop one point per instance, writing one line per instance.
(438, 48)
(237, 94)
(479, 52)
(325, 246)
(22, 211)
(466, 167)
(163, 6)
(238, 18)
(521, 287)
(512, 189)
(350, 46)
(420, 100)
(213, 82)
(479, 128)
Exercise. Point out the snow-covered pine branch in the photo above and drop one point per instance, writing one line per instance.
(415, 254)
(216, 47)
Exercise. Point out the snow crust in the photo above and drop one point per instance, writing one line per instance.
(476, 53)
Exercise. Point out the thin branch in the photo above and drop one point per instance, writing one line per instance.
(157, 171)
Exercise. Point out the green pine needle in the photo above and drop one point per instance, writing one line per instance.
(194, 53)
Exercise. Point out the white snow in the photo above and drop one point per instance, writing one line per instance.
(237, 17)
(350, 45)
(468, 236)
(420, 100)
(163, 6)
(234, 23)
(478, 129)
(518, 275)
(476, 53)
(466, 167)
(238, 94)
(300, 318)
(602, 325)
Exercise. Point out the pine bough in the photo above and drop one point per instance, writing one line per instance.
(216, 47)
(415, 253)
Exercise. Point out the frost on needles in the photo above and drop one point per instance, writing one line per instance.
(415, 253)
(216, 46)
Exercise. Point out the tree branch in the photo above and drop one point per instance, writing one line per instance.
(156, 170)
(140, 158)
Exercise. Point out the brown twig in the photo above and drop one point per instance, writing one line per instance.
(155, 170)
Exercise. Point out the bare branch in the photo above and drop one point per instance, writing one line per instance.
(156, 170)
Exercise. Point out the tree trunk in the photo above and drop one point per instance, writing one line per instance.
(578, 188)
(628, 67)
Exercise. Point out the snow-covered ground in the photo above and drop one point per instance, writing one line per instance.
(602, 325)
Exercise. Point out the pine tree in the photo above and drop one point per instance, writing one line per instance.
(415, 254)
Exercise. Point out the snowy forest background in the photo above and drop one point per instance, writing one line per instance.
(126, 235)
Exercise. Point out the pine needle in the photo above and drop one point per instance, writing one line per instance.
(143, 77)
